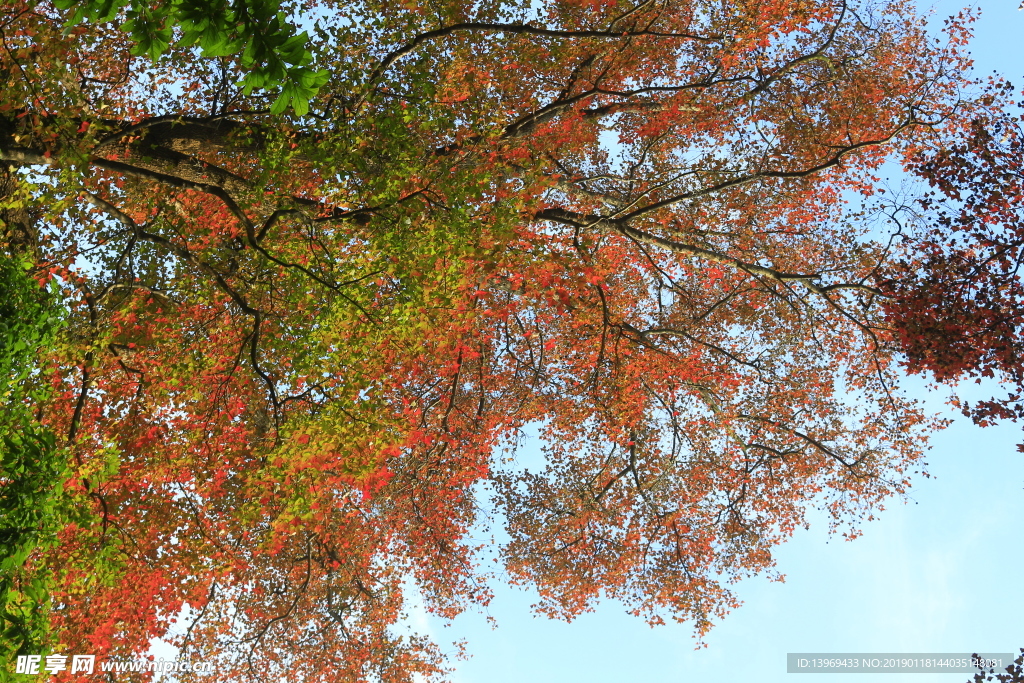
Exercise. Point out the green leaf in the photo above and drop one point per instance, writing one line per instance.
(300, 105)
(281, 103)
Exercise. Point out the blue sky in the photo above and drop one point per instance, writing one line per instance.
(939, 573)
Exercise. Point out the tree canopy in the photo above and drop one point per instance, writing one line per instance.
(301, 345)
(271, 54)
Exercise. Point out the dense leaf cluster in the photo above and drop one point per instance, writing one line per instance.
(274, 56)
(32, 468)
(958, 297)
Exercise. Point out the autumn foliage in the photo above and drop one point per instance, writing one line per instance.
(301, 350)
(956, 296)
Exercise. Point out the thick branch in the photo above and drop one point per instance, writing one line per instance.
(519, 28)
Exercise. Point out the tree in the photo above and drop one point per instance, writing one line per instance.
(298, 343)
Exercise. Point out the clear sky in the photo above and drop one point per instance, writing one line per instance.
(942, 573)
